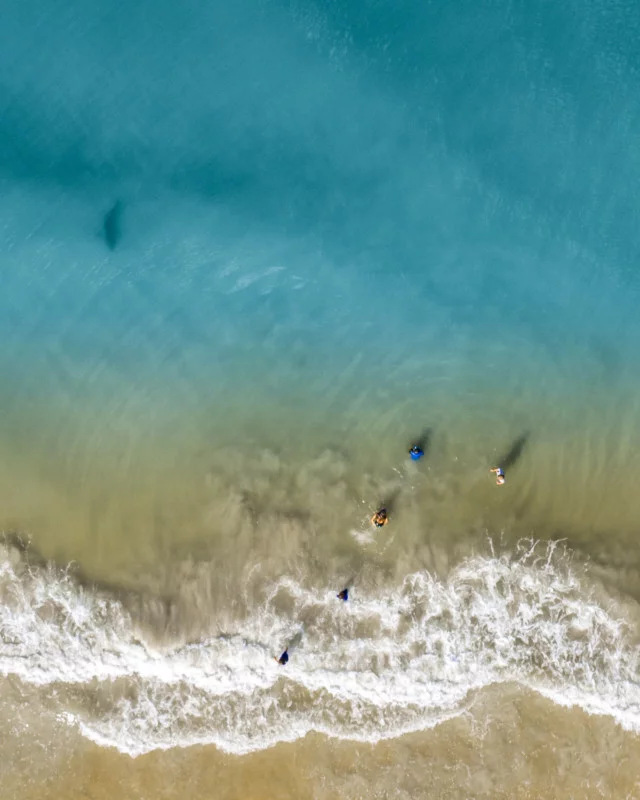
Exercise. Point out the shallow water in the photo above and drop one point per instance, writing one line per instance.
(337, 228)
(513, 746)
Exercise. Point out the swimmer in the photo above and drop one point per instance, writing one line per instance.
(416, 452)
(343, 595)
(380, 518)
(283, 659)
(500, 476)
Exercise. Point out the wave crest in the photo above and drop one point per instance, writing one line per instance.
(373, 668)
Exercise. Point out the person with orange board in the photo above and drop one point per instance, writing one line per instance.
(380, 518)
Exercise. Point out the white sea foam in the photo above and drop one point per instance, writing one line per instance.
(368, 669)
(363, 536)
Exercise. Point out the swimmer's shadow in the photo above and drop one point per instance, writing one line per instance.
(390, 501)
(424, 440)
(514, 453)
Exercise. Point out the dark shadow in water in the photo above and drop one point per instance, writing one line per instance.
(514, 453)
(350, 582)
(112, 225)
(390, 501)
(131, 598)
(424, 440)
(30, 555)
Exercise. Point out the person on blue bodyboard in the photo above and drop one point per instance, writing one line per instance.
(420, 445)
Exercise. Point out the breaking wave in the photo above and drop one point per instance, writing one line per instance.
(381, 665)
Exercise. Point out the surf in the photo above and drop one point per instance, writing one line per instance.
(383, 664)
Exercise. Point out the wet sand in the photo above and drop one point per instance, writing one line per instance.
(511, 744)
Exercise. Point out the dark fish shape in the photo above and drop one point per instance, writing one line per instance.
(112, 226)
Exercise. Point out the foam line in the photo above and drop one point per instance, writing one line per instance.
(372, 668)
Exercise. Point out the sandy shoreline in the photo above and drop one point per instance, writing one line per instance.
(513, 744)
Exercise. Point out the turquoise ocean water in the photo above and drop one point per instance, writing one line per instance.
(328, 207)
(339, 224)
